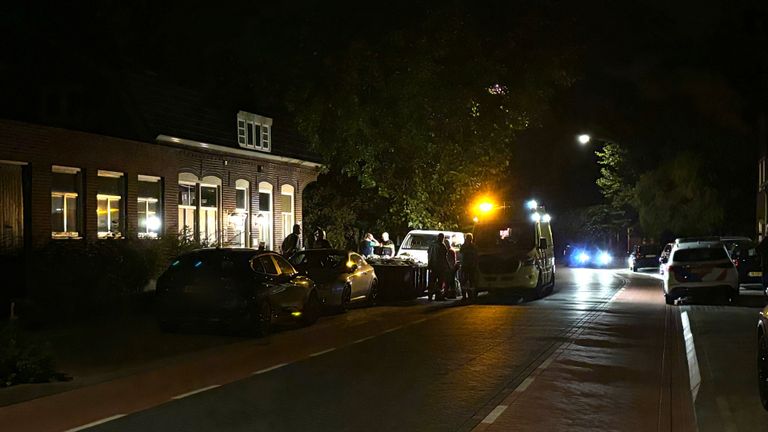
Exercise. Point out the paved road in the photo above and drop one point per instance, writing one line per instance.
(445, 372)
(726, 350)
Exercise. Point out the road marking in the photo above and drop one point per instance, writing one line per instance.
(96, 423)
(546, 363)
(493, 415)
(694, 374)
(193, 392)
(319, 353)
(364, 339)
(419, 321)
(392, 329)
(271, 368)
(524, 385)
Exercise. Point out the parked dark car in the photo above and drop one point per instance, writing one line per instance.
(747, 261)
(245, 288)
(645, 256)
(342, 277)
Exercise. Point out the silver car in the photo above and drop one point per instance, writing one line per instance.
(342, 277)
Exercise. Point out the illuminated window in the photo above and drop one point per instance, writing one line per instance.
(254, 131)
(240, 219)
(187, 205)
(109, 204)
(149, 206)
(264, 216)
(65, 202)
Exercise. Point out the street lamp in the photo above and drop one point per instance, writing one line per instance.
(584, 139)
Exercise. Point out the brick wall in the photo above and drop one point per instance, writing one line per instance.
(41, 147)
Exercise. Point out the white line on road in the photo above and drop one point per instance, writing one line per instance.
(524, 385)
(193, 392)
(319, 353)
(694, 374)
(271, 368)
(547, 362)
(392, 329)
(96, 423)
(419, 321)
(493, 415)
(364, 339)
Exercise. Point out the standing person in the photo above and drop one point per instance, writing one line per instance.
(470, 268)
(387, 245)
(437, 264)
(367, 245)
(451, 274)
(320, 241)
(292, 242)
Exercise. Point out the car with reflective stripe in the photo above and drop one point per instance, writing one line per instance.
(700, 268)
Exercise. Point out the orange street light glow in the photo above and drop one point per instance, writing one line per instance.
(485, 207)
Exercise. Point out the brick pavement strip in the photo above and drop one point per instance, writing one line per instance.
(625, 370)
(200, 372)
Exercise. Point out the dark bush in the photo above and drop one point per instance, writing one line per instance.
(22, 361)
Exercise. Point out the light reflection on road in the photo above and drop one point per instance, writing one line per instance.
(592, 284)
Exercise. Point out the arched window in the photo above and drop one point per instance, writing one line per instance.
(187, 204)
(210, 191)
(286, 208)
(240, 219)
(264, 217)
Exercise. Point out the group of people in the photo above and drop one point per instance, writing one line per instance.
(292, 243)
(369, 242)
(443, 265)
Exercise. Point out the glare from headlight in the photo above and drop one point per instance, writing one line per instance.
(604, 258)
(583, 257)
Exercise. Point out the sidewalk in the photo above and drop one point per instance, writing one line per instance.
(625, 370)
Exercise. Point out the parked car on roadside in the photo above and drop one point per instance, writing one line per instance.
(747, 261)
(762, 357)
(700, 268)
(644, 256)
(342, 278)
(245, 288)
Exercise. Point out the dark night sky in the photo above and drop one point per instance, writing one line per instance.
(655, 75)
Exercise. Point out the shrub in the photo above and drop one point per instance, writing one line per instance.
(22, 361)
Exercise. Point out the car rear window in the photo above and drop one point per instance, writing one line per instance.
(700, 254)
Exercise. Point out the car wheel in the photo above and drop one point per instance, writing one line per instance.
(762, 368)
(346, 298)
(551, 286)
(311, 311)
(734, 297)
(260, 319)
(373, 293)
(669, 299)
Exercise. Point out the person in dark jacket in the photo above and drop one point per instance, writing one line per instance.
(292, 242)
(320, 241)
(437, 264)
(470, 267)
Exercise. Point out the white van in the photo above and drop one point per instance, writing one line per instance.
(417, 242)
(516, 256)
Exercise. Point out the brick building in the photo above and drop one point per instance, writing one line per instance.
(145, 161)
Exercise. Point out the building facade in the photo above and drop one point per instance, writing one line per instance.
(66, 185)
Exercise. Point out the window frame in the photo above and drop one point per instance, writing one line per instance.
(257, 128)
(78, 186)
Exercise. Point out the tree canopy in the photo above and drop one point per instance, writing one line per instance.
(427, 116)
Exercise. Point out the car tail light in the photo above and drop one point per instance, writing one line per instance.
(736, 262)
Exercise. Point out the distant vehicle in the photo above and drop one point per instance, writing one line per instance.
(416, 243)
(588, 256)
(700, 268)
(342, 278)
(762, 357)
(516, 256)
(644, 256)
(664, 257)
(747, 261)
(243, 287)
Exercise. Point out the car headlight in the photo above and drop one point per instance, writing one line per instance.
(582, 257)
(604, 258)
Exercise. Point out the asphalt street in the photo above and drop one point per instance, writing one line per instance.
(445, 372)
